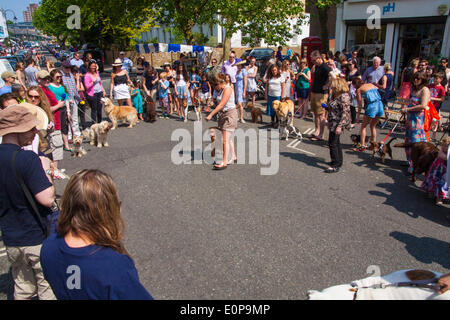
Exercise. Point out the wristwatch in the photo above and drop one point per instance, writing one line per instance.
(49, 172)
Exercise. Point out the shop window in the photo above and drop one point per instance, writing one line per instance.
(369, 43)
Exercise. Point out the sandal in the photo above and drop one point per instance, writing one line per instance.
(315, 138)
(360, 148)
(222, 167)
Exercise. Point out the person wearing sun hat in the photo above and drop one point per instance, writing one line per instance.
(22, 234)
(40, 114)
(9, 78)
(120, 81)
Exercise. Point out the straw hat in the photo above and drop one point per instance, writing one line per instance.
(117, 63)
(239, 63)
(39, 113)
(16, 119)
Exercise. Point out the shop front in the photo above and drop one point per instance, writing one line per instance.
(406, 29)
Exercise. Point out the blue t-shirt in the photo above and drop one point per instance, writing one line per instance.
(196, 77)
(17, 222)
(162, 91)
(90, 273)
(5, 89)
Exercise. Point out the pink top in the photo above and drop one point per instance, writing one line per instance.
(89, 83)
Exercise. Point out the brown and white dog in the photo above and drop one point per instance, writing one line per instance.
(120, 113)
(255, 113)
(422, 156)
(98, 133)
(283, 109)
(381, 149)
(150, 110)
(78, 150)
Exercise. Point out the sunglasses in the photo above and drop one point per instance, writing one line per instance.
(34, 97)
(58, 77)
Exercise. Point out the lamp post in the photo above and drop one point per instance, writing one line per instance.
(4, 11)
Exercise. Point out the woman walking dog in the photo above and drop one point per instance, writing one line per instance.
(227, 119)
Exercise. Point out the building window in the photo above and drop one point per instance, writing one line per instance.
(368, 42)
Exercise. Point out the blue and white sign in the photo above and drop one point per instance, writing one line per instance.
(164, 47)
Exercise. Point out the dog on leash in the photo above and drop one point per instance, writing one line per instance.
(381, 149)
(119, 113)
(399, 285)
(283, 110)
(356, 138)
(255, 113)
(422, 156)
(78, 150)
(150, 110)
(98, 133)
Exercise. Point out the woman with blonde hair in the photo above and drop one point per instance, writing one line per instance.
(288, 76)
(302, 88)
(89, 244)
(338, 118)
(36, 96)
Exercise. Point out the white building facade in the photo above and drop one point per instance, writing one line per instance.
(395, 30)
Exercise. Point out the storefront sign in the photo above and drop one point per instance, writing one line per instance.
(388, 8)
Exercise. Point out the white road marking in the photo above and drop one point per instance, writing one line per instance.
(294, 144)
(308, 131)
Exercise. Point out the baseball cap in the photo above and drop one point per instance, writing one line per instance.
(8, 74)
(42, 74)
(16, 119)
(121, 52)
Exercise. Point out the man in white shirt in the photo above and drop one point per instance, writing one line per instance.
(127, 64)
(76, 61)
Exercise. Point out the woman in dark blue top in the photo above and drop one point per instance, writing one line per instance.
(385, 84)
(87, 259)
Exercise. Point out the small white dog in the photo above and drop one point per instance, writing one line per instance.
(98, 133)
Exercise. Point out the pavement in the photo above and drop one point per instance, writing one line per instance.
(195, 233)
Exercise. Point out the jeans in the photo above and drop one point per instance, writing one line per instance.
(335, 149)
(96, 106)
(270, 111)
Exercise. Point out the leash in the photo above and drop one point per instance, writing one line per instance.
(389, 133)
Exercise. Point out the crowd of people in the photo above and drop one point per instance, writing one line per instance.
(43, 110)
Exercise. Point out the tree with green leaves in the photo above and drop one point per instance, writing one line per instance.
(256, 19)
(102, 22)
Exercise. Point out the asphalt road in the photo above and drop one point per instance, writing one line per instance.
(195, 233)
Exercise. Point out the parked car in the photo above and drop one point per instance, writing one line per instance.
(12, 60)
(4, 66)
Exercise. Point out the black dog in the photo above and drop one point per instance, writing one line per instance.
(356, 138)
(150, 110)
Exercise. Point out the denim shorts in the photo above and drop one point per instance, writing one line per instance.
(302, 92)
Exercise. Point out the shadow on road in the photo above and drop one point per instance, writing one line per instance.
(417, 205)
(426, 250)
(308, 160)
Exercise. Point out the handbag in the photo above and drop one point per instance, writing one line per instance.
(49, 226)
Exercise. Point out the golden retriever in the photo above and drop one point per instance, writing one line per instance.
(120, 113)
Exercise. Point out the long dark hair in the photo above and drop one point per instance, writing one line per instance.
(184, 72)
(270, 74)
(423, 76)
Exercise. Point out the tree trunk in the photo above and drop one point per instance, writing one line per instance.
(187, 32)
(323, 19)
(226, 46)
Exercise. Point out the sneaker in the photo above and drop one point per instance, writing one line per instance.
(59, 175)
(242, 121)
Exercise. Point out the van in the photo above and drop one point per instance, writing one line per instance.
(4, 66)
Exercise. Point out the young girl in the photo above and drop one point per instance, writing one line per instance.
(435, 178)
(205, 92)
(137, 98)
(163, 95)
(195, 84)
(181, 90)
(19, 93)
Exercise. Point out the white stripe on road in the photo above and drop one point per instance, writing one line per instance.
(294, 144)
(308, 131)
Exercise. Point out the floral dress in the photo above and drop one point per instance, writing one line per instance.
(434, 183)
(415, 128)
